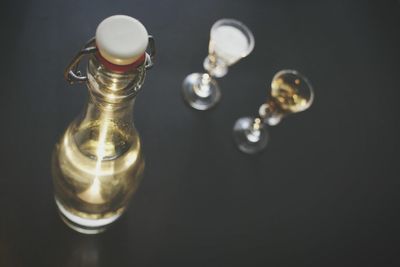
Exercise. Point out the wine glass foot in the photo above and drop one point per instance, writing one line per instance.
(248, 139)
(201, 91)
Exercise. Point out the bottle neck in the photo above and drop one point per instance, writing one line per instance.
(111, 89)
(112, 97)
(105, 130)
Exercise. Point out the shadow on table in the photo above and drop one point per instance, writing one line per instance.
(86, 253)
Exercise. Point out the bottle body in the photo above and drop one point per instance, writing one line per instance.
(98, 164)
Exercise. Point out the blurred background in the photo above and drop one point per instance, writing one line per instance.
(325, 192)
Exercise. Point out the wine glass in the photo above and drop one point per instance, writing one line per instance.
(230, 40)
(291, 92)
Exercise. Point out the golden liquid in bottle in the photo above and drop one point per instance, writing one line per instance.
(96, 169)
(288, 95)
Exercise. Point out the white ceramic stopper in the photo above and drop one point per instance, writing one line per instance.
(121, 39)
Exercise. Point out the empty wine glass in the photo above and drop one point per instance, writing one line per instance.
(230, 40)
(291, 92)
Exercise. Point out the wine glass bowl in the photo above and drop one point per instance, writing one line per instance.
(230, 41)
(291, 91)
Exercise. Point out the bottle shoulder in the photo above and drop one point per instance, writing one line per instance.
(103, 139)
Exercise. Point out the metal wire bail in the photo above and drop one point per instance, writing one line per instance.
(152, 50)
(72, 74)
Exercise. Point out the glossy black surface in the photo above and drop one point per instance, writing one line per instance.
(324, 193)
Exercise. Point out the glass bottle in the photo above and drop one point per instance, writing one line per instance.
(98, 163)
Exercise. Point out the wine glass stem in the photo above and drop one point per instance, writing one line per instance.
(203, 89)
(257, 124)
(270, 114)
(215, 67)
(253, 133)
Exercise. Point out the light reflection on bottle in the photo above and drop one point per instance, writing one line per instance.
(93, 193)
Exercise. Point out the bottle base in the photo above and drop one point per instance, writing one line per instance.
(83, 225)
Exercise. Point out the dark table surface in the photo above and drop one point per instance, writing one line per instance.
(324, 193)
